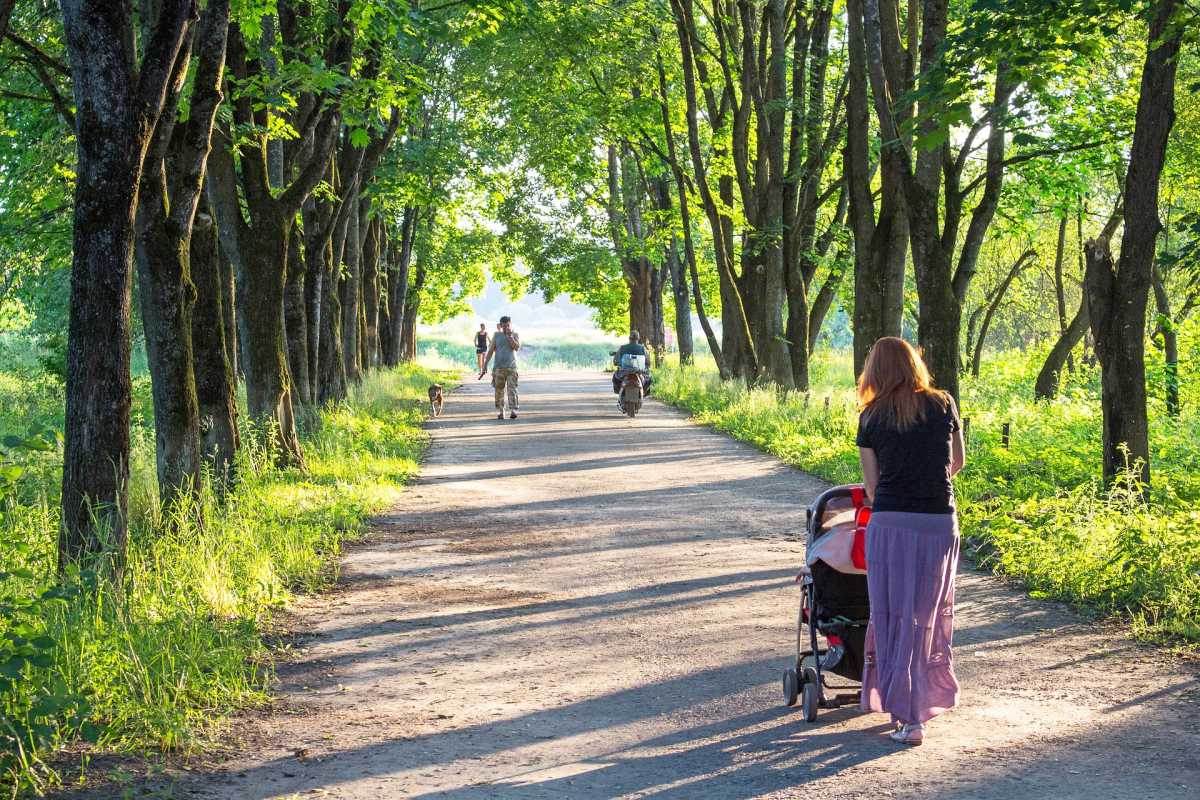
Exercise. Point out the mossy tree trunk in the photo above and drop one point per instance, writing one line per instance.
(1117, 294)
(171, 185)
(216, 387)
(118, 98)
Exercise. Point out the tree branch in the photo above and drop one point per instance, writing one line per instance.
(206, 97)
(1023, 157)
(56, 97)
(38, 54)
(158, 63)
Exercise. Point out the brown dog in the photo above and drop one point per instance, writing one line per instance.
(435, 399)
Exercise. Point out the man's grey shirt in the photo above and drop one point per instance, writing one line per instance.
(505, 357)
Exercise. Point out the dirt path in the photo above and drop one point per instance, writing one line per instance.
(579, 605)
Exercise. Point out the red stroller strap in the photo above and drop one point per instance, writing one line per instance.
(862, 516)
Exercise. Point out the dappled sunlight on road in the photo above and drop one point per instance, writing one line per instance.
(579, 605)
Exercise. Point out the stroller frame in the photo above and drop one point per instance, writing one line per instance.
(807, 679)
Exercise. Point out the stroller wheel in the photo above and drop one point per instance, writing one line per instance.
(791, 687)
(811, 700)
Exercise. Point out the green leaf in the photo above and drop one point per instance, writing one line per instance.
(932, 140)
(43, 660)
(13, 667)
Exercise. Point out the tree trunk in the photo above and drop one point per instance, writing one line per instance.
(370, 270)
(118, 103)
(331, 382)
(1117, 299)
(318, 253)
(796, 331)
(409, 342)
(362, 335)
(1122, 393)
(332, 358)
(639, 276)
(1049, 377)
(229, 312)
(349, 295)
(682, 303)
(165, 284)
(994, 304)
(385, 320)
(939, 325)
(412, 306)
(942, 279)
(821, 305)
(398, 284)
(261, 324)
(940, 310)
(810, 147)
(295, 317)
(1060, 289)
(880, 246)
(1170, 339)
(171, 186)
(689, 249)
(257, 239)
(216, 387)
(674, 269)
(625, 194)
(738, 354)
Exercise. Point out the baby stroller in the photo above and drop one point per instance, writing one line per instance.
(833, 602)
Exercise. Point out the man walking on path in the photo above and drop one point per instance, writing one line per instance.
(504, 346)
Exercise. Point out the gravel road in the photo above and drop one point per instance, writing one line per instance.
(578, 605)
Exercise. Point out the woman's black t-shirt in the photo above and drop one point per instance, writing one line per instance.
(481, 341)
(914, 465)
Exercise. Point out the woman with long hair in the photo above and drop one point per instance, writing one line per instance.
(910, 445)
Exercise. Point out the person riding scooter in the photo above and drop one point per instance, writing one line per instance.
(633, 348)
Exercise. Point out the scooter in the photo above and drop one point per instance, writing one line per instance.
(629, 400)
(632, 377)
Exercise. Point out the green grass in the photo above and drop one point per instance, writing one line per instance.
(156, 666)
(1034, 510)
(533, 355)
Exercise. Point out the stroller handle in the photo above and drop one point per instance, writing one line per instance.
(817, 506)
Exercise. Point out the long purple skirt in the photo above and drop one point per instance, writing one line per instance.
(911, 563)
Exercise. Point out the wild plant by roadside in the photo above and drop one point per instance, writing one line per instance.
(156, 662)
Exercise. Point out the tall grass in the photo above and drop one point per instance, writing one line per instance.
(151, 665)
(1035, 509)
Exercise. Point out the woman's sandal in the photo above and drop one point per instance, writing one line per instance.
(913, 735)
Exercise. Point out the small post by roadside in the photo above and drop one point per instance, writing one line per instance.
(1005, 432)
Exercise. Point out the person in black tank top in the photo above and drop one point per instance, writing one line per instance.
(481, 347)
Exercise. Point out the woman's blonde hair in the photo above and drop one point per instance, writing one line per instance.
(894, 383)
